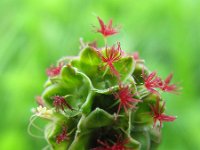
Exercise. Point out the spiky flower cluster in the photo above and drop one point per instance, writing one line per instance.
(104, 99)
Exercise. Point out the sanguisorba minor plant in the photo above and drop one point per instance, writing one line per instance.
(102, 99)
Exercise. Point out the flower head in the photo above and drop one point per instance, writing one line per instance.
(158, 114)
(106, 30)
(112, 55)
(166, 87)
(60, 103)
(125, 98)
(151, 81)
(62, 136)
(54, 71)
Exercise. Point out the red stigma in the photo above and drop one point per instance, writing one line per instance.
(158, 115)
(125, 97)
(119, 145)
(112, 55)
(60, 102)
(54, 71)
(152, 81)
(106, 30)
(167, 87)
(62, 136)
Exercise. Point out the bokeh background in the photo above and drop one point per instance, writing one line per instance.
(35, 33)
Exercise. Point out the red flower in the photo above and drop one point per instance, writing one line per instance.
(62, 136)
(158, 115)
(119, 145)
(59, 103)
(106, 30)
(166, 87)
(112, 55)
(54, 71)
(125, 97)
(152, 81)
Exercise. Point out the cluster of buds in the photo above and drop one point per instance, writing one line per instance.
(104, 99)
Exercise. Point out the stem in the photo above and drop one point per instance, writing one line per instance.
(107, 68)
(105, 41)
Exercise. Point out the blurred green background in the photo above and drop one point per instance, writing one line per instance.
(36, 33)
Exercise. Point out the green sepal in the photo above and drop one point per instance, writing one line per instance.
(72, 85)
(155, 135)
(88, 63)
(71, 78)
(125, 66)
(137, 74)
(53, 90)
(96, 119)
(55, 128)
(144, 138)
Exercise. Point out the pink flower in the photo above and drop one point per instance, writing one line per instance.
(112, 55)
(62, 136)
(106, 30)
(151, 81)
(54, 71)
(158, 115)
(60, 103)
(125, 97)
(166, 87)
